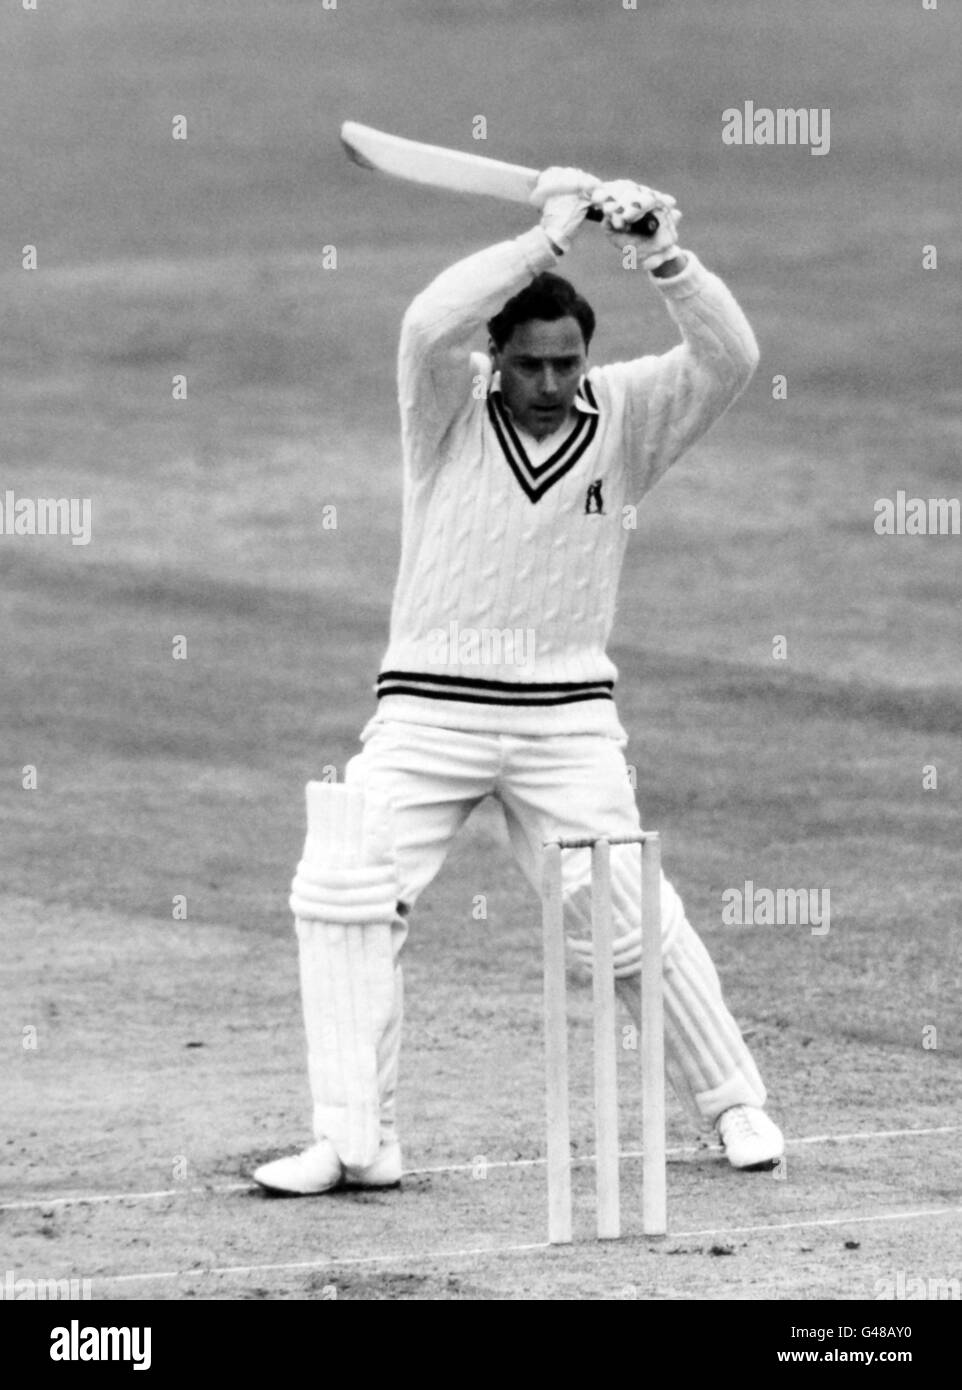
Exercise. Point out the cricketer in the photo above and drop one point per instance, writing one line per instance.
(518, 462)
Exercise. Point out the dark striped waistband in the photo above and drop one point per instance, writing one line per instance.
(485, 692)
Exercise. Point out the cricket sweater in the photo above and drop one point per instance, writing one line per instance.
(511, 550)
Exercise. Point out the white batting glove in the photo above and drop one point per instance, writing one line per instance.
(557, 180)
(624, 203)
(564, 197)
(626, 953)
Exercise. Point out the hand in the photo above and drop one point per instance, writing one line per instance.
(626, 953)
(624, 203)
(557, 180)
(564, 197)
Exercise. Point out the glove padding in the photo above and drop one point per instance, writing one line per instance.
(623, 203)
(557, 180)
(564, 197)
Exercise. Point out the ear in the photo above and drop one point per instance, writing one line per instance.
(493, 352)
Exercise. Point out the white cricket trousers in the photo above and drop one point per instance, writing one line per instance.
(564, 785)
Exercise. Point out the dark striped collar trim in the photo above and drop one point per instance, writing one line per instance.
(536, 479)
(467, 689)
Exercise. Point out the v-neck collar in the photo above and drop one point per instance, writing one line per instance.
(536, 478)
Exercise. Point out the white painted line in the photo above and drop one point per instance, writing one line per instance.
(823, 1221)
(410, 1258)
(94, 1199)
(214, 1189)
(683, 1151)
(305, 1265)
(485, 1165)
(873, 1134)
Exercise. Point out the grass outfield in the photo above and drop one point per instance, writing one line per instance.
(169, 1054)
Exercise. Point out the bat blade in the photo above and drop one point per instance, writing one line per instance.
(435, 166)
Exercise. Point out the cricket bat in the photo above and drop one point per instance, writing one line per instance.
(437, 167)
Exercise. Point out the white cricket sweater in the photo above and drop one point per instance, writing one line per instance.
(510, 560)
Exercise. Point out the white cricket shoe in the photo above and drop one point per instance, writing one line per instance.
(318, 1169)
(750, 1140)
(385, 1171)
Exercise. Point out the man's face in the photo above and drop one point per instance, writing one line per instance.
(541, 365)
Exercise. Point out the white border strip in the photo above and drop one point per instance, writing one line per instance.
(487, 1164)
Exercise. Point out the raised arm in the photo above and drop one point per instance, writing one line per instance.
(434, 357)
(434, 375)
(666, 403)
(671, 400)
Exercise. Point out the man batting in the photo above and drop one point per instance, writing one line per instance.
(517, 465)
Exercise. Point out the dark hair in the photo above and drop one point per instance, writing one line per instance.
(548, 297)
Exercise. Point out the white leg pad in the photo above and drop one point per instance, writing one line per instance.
(346, 967)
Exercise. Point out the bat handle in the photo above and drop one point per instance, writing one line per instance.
(645, 226)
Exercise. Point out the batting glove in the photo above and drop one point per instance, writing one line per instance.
(623, 203)
(564, 197)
